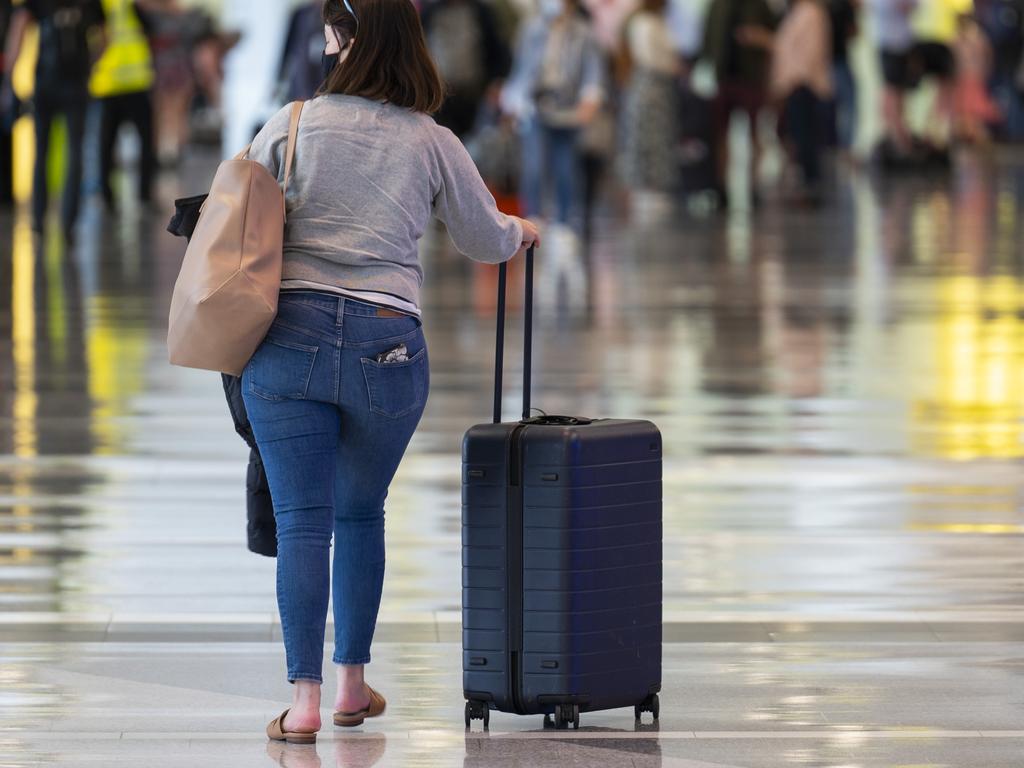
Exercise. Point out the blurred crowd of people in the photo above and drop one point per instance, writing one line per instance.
(600, 85)
(102, 65)
(552, 97)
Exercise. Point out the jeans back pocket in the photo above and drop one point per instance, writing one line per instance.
(396, 389)
(280, 370)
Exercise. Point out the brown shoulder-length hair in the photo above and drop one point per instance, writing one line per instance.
(389, 60)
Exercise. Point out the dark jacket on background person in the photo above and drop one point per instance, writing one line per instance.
(301, 69)
(843, 14)
(261, 527)
(1003, 22)
(734, 62)
(470, 53)
(65, 59)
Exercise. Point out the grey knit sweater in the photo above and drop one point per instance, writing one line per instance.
(367, 179)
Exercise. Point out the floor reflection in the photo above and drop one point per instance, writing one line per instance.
(841, 394)
(588, 746)
(363, 751)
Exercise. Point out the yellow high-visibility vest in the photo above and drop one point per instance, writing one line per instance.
(937, 20)
(126, 65)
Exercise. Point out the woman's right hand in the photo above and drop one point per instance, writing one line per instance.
(531, 236)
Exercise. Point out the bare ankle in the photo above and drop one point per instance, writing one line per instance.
(352, 688)
(350, 677)
(307, 694)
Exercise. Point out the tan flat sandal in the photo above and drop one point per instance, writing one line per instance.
(351, 719)
(275, 730)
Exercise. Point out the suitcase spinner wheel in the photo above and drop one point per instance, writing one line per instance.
(566, 714)
(650, 704)
(478, 710)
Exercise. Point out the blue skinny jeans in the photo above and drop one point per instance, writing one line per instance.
(332, 424)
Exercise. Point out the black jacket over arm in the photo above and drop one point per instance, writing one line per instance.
(261, 528)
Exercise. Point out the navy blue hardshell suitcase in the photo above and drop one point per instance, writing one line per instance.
(561, 559)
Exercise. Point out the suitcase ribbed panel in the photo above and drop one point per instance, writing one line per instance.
(547, 643)
(484, 557)
(592, 564)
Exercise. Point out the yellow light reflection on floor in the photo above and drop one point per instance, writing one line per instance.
(23, 337)
(973, 404)
(116, 362)
(988, 528)
(962, 489)
(23, 157)
(23, 332)
(56, 304)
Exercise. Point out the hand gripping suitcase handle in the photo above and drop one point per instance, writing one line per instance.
(499, 353)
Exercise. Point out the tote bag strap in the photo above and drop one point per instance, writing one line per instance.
(289, 154)
(293, 132)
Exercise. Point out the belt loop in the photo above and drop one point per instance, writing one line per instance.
(341, 312)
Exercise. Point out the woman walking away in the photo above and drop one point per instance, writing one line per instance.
(337, 389)
(802, 81)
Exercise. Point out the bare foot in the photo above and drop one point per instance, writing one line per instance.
(304, 714)
(302, 720)
(352, 700)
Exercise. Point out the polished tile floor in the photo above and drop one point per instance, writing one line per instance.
(841, 394)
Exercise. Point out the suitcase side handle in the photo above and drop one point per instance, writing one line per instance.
(499, 352)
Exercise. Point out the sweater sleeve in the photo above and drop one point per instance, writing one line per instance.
(465, 205)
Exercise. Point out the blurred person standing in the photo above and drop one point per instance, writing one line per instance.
(7, 115)
(845, 26)
(894, 38)
(70, 31)
(556, 88)
(507, 15)
(607, 18)
(974, 109)
(650, 114)
(175, 84)
(802, 82)
(1003, 23)
(210, 47)
(737, 41)
(123, 82)
(936, 23)
(302, 67)
(686, 25)
(697, 144)
(471, 56)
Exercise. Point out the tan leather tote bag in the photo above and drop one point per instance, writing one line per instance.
(226, 294)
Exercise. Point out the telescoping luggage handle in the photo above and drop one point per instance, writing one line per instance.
(499, 353)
